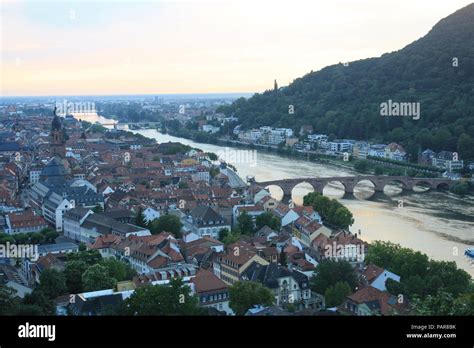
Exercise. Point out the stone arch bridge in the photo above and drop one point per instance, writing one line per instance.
(349, 182)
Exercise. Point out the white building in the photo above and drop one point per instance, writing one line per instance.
(151, 214)
(377, 150)
(447, 160)
(377, 277)
(341, 146)
(34, 176)
(316, 138)
(205, 221)
(210, 129)
(83, 225)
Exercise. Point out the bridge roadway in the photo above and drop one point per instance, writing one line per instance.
(349, 182)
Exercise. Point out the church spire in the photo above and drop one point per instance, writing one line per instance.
(58, 136)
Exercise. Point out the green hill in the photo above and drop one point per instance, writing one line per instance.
(344, 101)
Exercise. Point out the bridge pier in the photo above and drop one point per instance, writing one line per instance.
(349, 195)
(379, 196)
(286, 199)
(379, 188)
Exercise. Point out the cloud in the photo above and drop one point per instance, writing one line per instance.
(196, 46)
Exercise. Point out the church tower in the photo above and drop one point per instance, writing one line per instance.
(58, 137)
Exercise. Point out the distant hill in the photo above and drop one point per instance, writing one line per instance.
(344, 101)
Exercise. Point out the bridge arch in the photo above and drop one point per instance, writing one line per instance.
(388, 187)
(275, 191)
(334, 188)
(300, 190)
(423, 183)
(364, 188)
(443, 186)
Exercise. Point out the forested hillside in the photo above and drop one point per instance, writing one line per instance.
(344, 101)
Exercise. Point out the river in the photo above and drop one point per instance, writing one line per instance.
(438, 224)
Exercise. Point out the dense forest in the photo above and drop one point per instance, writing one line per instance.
(343, 100)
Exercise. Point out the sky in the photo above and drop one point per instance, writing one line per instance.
(153, 47)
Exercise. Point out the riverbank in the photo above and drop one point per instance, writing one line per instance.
(369, 166)
(289, 153)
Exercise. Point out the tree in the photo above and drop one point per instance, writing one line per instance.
(38, 299)
(465, 146)
(28, 310)
(419, 276)
(52, 283)
(440, 304)
(231, 237)
(118, 270)
(330, 210)
(90, 257)
(167, 223)
(22, 238)
(329, 273)
(223, 233)
(45, 231)
(379, 170)
(464, 304)
(394, 287)
(98, 209)
(336, 294)
(140, 219)
(7, 300)
(268, 219)
(37, 238)
(96, 277)
(51, 236)
(6, 238)
(172, 299)
(183, 185)
(361, 165)
(214, 171)
(212, 156)
(245, 294)
(343, 218)
(73, 273)
(460, 188)
(245, 223)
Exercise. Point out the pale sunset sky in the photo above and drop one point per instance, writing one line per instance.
(133, 47)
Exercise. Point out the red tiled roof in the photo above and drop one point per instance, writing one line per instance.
(26, 219)
(372, 272)
(206, 281)
(369, 294)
